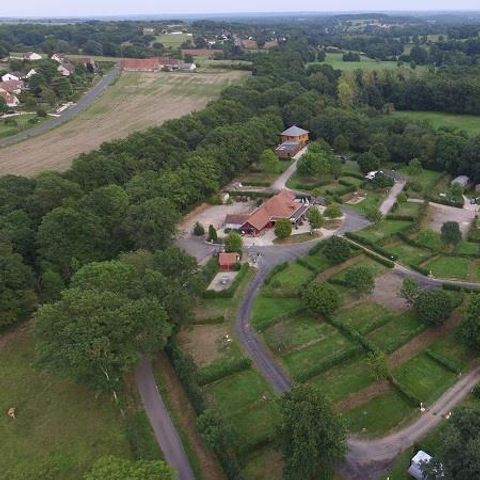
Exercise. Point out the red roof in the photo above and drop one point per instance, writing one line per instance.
(281, 205)
(147, 63)
(12, 85)
(227, 259)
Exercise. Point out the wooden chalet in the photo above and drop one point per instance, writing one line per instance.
(293, 140)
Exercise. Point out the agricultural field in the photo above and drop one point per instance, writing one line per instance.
(172, 41)
(367, 64)
(468, 123)
(59, 427)
(135, 102)
(384, 229)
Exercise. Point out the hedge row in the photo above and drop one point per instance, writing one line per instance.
(211, 321)
(230, 291)
(384, 261)
(418, 268)
(444, 201)
(273, 320)
(331, 362)
(337, 281)
(406, 218)
(310, 186)
(444, 362)
(371, 245)
(210, 270)
(405, 392)
(459, 288)
(251, 194)
(417, 223)
(222, 368)
(256, 182)
(354, 175)
(349, 331)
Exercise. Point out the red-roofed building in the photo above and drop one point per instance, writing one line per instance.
(10, 100)
(156, 64)
(12, 86)
(282, 205)
(227, 261)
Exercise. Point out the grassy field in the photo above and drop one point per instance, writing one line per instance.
(425, 378)
(408, 254)
(346, 378)
(397, 332)
(378, 415)
(454, 350)
(384, 229)
(365, 317)
(60, 429)
(247, 401)
(449, 267)
(172, 41)
(22, 123)
(367, 64)
(468, 123)
(136, 101)
(266, 310)
(292, 277)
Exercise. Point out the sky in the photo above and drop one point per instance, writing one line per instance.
(62, 8)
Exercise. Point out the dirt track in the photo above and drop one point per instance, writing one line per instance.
(135, 102)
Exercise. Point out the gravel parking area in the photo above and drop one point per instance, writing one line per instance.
(222, 281)
(439, 214)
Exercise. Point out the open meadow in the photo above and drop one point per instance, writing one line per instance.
(135, 102)
(468, 123)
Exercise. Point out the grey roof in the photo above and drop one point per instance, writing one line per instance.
(461, 180)
(294, 131)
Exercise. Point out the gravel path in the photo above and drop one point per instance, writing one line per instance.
(388, 203)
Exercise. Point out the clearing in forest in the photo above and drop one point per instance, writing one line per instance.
(135, 102)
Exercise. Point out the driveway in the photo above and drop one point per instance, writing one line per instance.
(82, 103)
(388, 203)
(165, 432)
(281, 181)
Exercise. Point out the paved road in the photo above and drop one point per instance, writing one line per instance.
(281, 181)
(388, 203)
(71, 112)
(165, 432)
(368, 459)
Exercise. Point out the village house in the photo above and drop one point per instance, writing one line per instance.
(148, 30)
(10, 76)
(156, 64)
(58, 57)
(187, 67)
(31, 56)
(66, 69)
(293, 139)
(31, 73)
(228, 261)
(10, 99)
(12, 86)
(282, 205)
(461, 180)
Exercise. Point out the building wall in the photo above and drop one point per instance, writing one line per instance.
(301, 138)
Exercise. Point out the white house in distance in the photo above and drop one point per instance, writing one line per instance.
(31, 56)
(10, 76)
(58, 57)
(31, 73)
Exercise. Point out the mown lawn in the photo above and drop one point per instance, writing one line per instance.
(384, 229)
(295, 332)
(372, 201)
(366, 63)
(317, 261)
(60, 429)
(378, 415)
(425, 377)
(408, 254)
(468, 123)
(22, 123)
(468, 248)
(449, 267)
(408, 208)
(266, 310)
(322, 352)
(397, 332)
(365, 317)
(346, 378)
(453, 349)
(292, 277)
(248, 402)
(375, 267)
(265, 462)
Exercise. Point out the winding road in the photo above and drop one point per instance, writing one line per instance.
(86, 100)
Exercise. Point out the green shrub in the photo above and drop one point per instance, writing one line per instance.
(333, 211)
(141, 438)
(198, 229)
(411, 398)
(222, 368)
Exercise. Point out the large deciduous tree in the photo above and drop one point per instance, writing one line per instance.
(311, 437)
(336, 250)
(433, 306)
(360, 279)
(234, 242)
(95, 336)
(283, 228)
(321, 298)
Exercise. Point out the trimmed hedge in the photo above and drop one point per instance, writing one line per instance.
(210, 270)
(371, 245)
(222, 368)
(230, 291)
(211, 321)
(256, 182)
(354, 175)
(405, 392)
(140, 437)
(250, 193)
(424, 271)
(348, 330)
(406, 218)
(310, 186)
(272, 321)
(444, 201)
(325, 365)
(444, 362)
